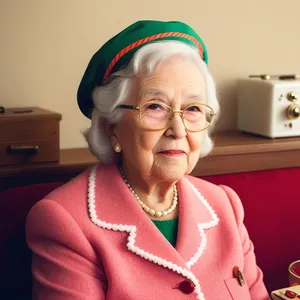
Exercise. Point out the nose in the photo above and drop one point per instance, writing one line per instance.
(176, 128)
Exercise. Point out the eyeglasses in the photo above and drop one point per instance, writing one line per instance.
(155, 115)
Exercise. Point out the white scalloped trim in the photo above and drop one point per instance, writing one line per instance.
(131, 229)
(201, 226)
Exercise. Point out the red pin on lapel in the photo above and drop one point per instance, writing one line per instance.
(238, 274)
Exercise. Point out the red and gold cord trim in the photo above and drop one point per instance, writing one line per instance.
(148, 39)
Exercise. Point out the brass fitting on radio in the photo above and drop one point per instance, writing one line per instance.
(293, 112)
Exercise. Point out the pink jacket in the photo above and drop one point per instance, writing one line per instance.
(91, 240)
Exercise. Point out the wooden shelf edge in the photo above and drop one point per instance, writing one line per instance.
(234, 152)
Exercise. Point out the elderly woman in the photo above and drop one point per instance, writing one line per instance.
(137, 226)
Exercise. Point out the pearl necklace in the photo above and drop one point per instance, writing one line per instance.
(147, 209)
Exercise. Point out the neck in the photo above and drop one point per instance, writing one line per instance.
(155, 194)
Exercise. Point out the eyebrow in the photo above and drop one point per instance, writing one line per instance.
(199, 96)
(159, 93)
(156, 93)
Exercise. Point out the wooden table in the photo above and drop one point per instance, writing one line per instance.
(234, 152)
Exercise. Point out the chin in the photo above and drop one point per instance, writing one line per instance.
(170, 173)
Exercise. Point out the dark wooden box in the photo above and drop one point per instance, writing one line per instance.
(29, 135)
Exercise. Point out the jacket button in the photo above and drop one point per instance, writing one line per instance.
(187, 286)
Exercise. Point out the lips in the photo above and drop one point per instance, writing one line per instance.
(173, 151)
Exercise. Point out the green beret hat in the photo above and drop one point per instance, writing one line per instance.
(118, 51)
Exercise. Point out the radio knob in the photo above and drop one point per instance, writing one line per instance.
(292, 96)
(293, 112)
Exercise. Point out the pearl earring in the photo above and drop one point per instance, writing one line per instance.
(117, 148)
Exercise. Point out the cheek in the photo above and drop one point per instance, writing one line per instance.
(149, 140)
(136, 142)
(195, 141)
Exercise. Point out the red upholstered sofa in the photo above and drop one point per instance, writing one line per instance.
(15, 257)
(271, 201)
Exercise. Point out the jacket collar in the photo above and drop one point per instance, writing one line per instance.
(113, 207)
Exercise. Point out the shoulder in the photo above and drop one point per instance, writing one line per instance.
(68, 199)
(63, 211)
(72, 197)
(221, 197)
(75, 188)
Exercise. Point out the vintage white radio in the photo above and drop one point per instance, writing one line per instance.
(269, 105)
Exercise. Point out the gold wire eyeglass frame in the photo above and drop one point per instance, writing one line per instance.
(180, 112)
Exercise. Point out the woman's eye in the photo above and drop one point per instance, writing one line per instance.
(155, 106)
(194, 108)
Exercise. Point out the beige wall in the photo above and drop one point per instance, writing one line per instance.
(46, 45)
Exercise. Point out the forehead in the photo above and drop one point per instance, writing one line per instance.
(173, 77)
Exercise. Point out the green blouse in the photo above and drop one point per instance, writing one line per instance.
(169, 229)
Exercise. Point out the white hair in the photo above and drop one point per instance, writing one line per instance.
(106, 98)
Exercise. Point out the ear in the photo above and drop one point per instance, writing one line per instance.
(109, 130)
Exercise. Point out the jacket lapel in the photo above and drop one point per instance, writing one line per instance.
(195, 217)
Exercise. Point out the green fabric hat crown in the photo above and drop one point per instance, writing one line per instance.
(118, 51)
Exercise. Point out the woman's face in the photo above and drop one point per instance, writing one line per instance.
(164, 155)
